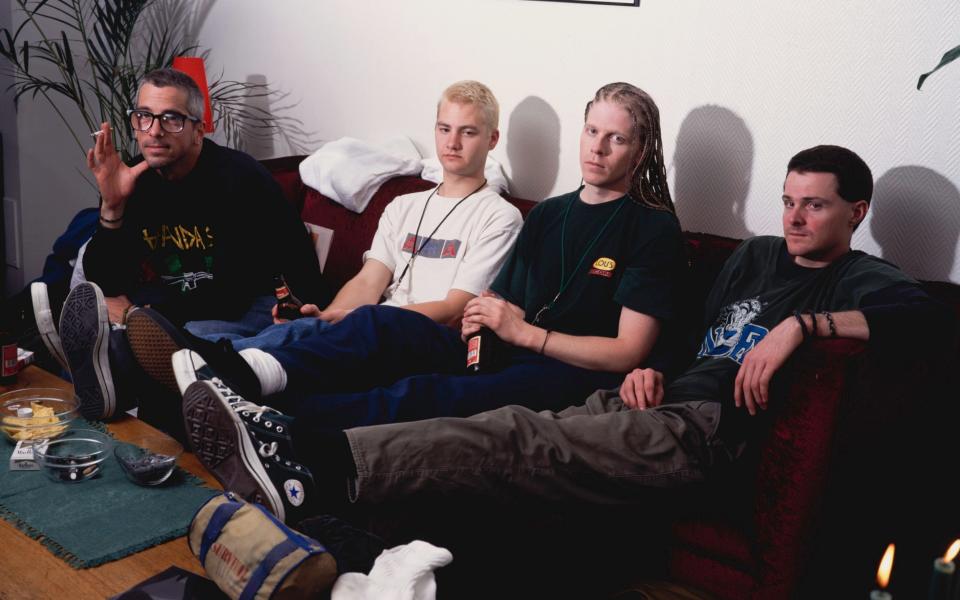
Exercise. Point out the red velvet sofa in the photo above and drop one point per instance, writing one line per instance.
(799, 518)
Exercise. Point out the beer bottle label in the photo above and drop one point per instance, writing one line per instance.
(473, 350)
(282, 292)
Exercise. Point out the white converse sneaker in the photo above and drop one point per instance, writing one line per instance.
(85, 336)
(46, 325)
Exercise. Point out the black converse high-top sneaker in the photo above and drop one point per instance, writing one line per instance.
(248, 449)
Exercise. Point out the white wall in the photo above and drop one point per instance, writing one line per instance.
(43, 169)
(11, 171)
(741, 86)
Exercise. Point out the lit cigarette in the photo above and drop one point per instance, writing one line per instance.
(96, 133)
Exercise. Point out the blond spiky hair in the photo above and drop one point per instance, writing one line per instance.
(474, 92)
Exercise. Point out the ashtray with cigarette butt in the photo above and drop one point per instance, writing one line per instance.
(77, 455)
(149, 459)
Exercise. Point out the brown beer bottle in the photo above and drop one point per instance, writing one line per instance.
(482, 352)
(288, 305)
(8, 351)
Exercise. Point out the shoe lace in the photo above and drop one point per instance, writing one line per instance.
(249, 408)
(255, 412)
(267, 450)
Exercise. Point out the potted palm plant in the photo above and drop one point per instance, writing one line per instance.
(92, 54)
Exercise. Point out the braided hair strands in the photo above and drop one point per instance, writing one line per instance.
(648, 182)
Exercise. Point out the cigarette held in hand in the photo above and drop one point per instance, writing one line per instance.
(94, 134)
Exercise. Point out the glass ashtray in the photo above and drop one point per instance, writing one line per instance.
(77, 455)
(149, 460)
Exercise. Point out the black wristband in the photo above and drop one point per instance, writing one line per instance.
(813, 327)
(833, 326)
(111, 221)
(803, 325)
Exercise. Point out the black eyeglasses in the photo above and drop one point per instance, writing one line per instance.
(171, 122)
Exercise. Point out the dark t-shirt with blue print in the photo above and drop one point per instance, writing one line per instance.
(760, 286)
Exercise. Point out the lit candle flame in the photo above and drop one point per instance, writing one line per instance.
(952, 551)
(886, 565)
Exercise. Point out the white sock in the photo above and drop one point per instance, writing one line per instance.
(401, 573)
(268, 370)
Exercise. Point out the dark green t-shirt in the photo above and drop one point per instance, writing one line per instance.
(759, 287)
(636, 262)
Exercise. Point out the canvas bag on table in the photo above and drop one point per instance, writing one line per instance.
(252, 555)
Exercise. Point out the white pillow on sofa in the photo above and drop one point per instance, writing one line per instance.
(350, 171)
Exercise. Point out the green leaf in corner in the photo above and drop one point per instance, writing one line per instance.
(948, 58)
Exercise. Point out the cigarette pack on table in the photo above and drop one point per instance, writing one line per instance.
(22, 457)
(24, 358)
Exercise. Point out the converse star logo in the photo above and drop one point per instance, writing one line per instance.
(294, 491)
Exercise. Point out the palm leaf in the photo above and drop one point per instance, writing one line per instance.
(948, 57)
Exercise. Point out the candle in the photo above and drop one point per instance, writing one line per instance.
(942, 577)
(883, 575)
(940, 580)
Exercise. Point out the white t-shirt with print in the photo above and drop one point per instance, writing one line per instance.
(465, 253)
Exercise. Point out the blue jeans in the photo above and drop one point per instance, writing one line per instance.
(257, 318)
(383, 364)
(279, 335)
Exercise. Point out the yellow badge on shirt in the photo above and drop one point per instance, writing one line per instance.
(603, 267)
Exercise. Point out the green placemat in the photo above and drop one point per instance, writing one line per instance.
(102, 519)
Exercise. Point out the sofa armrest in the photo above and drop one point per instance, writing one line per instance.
(796, 457)
(755, 539)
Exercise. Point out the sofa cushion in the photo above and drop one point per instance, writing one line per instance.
(284, 171)
(353, 232)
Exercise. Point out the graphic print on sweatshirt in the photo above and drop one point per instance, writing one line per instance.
(182, 253)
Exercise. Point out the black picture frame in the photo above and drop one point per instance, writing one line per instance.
(605, 2)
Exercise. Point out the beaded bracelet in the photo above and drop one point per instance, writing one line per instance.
(833, 326)
(803, 325)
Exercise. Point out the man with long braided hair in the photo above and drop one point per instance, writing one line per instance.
(648, 181)
(579, 302)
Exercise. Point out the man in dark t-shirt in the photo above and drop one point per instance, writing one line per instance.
(579, 302)
(772, 294)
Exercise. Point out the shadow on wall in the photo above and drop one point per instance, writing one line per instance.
(254, 142)
(186, 16)
(916, 221)
(533, 149)
(712, 165)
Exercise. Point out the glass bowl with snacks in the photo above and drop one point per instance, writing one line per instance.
(149, 459)
(77, 455)
(36, 413)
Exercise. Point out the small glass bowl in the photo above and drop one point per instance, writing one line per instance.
(149, 459)
(52, 410)
(77, 455)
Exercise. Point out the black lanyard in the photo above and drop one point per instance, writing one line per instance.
(416, 250)
(566, 279)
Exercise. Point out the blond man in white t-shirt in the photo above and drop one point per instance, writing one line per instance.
(435, 250)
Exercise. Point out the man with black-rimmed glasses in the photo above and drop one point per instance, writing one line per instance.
(194, 230)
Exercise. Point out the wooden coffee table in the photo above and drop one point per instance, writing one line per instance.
(28, 571)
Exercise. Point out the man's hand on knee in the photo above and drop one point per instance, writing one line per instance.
(642, 388)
